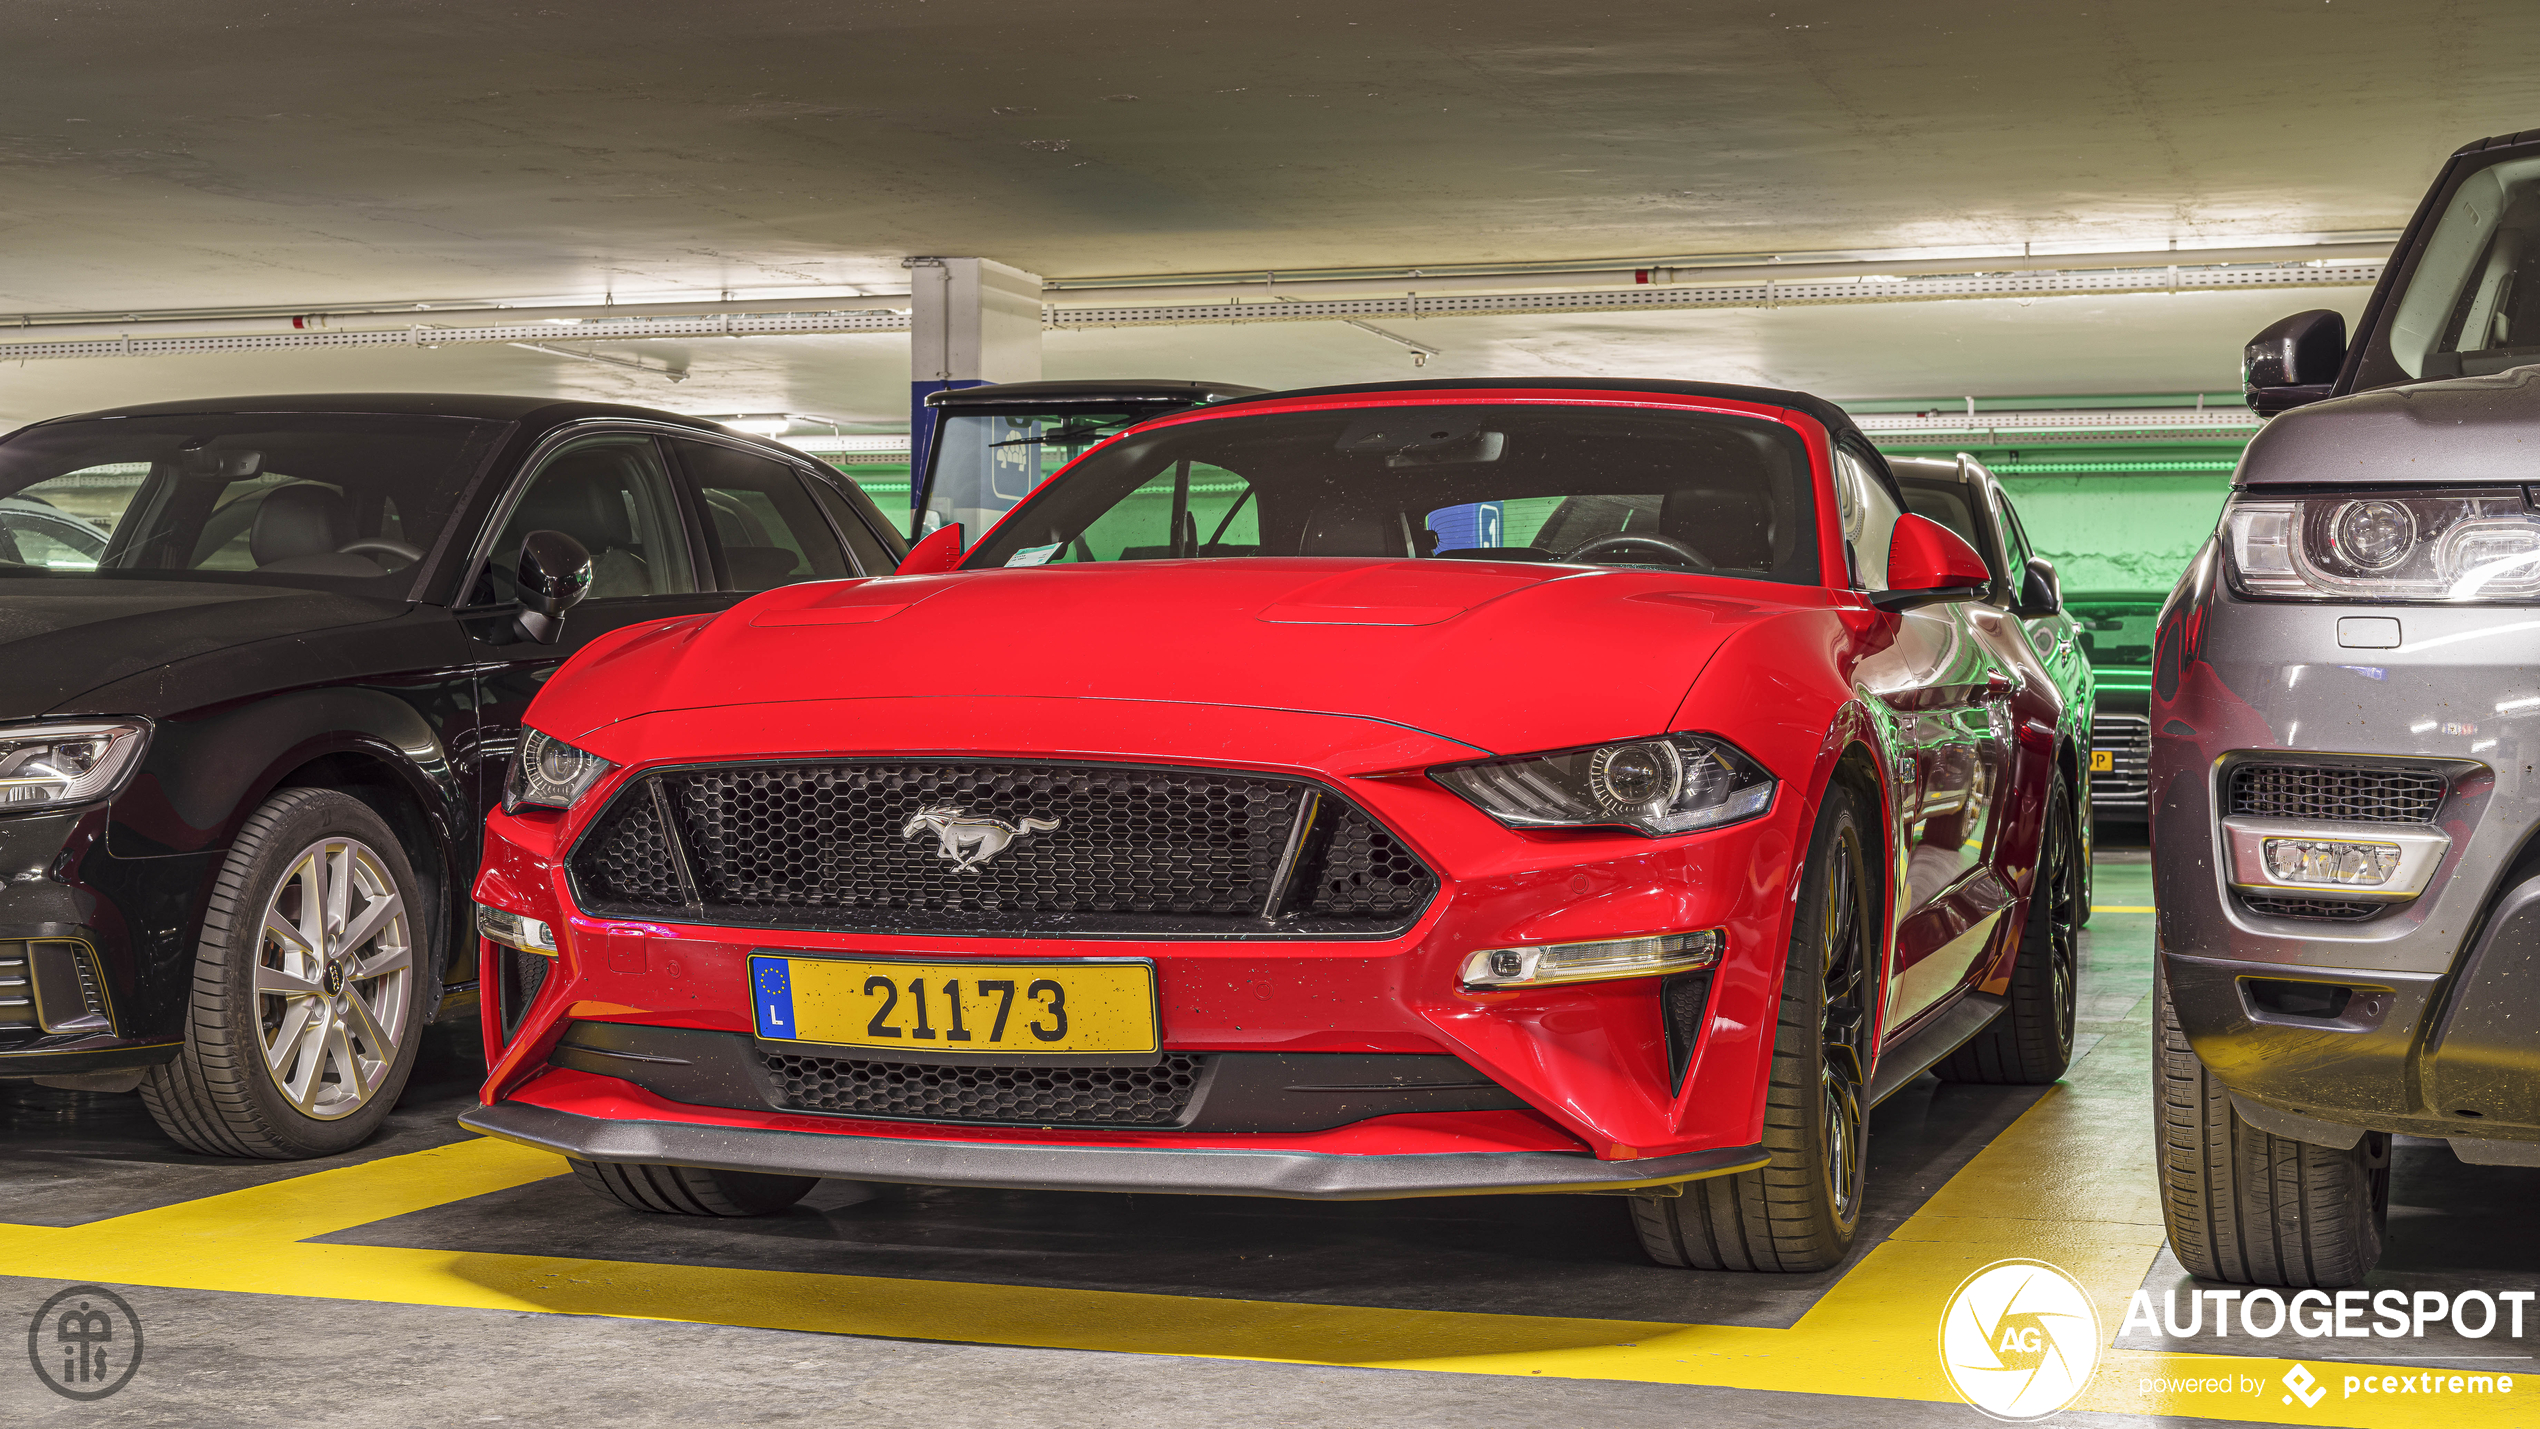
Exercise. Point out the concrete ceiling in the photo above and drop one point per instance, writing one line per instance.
(276, 152)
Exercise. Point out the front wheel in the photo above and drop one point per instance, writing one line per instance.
(311, 987)
(1801, 1212)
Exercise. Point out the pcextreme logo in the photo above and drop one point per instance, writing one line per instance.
(2019, 1340)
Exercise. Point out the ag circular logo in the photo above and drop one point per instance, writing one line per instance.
(2019, 1339)
(85, 1343)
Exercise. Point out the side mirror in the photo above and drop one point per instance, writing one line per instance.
(2293, 361)
(554, 575)
(2040, 592)
(1928, 563)
(939, 552)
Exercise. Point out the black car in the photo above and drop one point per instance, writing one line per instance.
(247, 746)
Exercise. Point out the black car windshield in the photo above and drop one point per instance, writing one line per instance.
(1589, 485)
(334, 501)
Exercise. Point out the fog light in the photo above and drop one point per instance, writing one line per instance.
(1593, 962)
(2347, 863)
(514, 931)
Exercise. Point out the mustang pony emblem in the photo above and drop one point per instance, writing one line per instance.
(969, 840)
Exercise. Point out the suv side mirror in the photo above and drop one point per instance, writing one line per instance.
(2292, 361)
(940, 551)
(554, 574)
(2040, 592)
(1928, 563)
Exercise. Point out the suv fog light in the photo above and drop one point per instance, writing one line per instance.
(1593, 962)
(2332, 861)
(514, 931)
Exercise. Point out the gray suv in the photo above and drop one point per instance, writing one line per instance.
(2345, 721)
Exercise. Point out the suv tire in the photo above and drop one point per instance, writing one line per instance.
(1799, 1213)
(2031, 1043)
(312, 984)
(692, 1190)
(2248, 1208)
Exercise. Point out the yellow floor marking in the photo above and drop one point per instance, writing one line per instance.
(2067, 1183)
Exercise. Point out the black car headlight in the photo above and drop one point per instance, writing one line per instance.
(548, 773)
(1667, 784)
(50, 766)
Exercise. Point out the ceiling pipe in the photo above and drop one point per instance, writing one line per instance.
(573, 320)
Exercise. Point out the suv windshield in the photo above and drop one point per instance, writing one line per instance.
(342, 502)
(2468, 303)
(1580, 484)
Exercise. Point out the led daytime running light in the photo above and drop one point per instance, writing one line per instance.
(1553, 963)
(515, 931)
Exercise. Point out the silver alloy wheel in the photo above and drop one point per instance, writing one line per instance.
(334, 975)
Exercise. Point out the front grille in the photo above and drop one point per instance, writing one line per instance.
(2127, 739)
(2340, 793)
(51, 984)
(2340, 910)
(1033, 848)
(1004, 1096)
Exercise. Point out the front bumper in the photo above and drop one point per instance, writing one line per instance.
(95, 949)
(2420, 1017)
(1194, 1171)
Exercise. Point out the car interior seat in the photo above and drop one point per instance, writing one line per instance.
(1731, 525)
(584, 495)
(297, 530)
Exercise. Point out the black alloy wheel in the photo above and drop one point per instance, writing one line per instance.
(1800, 1212)
(2031, 1043)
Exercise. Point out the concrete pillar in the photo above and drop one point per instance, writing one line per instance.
(971, 322)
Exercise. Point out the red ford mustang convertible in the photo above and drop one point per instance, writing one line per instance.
(1443, 788)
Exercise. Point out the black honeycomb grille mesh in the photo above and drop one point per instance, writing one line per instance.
(1028, 1096)
(849, 846)
(2351, 794)
(2341, 910)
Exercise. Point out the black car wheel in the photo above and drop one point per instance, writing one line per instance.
(311, 987)
(2031, 1043)
(2248, 1208)
(1800, 1212)
(692, 1190)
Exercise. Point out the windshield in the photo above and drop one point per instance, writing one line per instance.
(981, 466)
(1590, 485)
(339, 502)
(2116, 630)
(2469, 302)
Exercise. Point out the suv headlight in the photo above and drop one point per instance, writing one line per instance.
(49, 766)
(2460, 546)
(548, 773)
(1667, 784)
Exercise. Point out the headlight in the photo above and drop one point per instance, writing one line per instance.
(2466, 546)
(1669, 784)
(549, 773)
(46, 766)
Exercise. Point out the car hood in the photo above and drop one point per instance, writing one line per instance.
(2460, 431)
(1503, 656)
(62, 638)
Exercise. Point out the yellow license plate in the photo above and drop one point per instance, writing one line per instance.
(2103, 761)
(901, 1005)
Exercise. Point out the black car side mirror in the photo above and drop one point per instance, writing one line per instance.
(554, 575)
(2040, 592)
(2293, 361)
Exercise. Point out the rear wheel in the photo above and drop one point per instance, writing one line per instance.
(2247, 1208)
(692, 1190)
(2031, 1043)
(1801, 1212)
(311, 987)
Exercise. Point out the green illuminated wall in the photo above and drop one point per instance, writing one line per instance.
(2111, 518)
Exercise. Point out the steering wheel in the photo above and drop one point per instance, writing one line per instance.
(386, 546)
(1625, 539)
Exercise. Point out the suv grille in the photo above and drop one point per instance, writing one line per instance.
(2336, 908)
(2341, 793)
(1085, 849)
(1027, 1096)
(2127, 740)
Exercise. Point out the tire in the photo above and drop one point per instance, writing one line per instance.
(2089, 859)
(2031, 1043)
(2248, 1208)
(348, 1017)
(1799, 1213)
(692, 1190)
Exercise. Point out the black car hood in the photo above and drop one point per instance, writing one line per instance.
(63, 637)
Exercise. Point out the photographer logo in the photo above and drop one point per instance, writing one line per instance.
(85, 1343)
(2019, 1340)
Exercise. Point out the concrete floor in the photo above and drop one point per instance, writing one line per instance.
(433, 1278)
